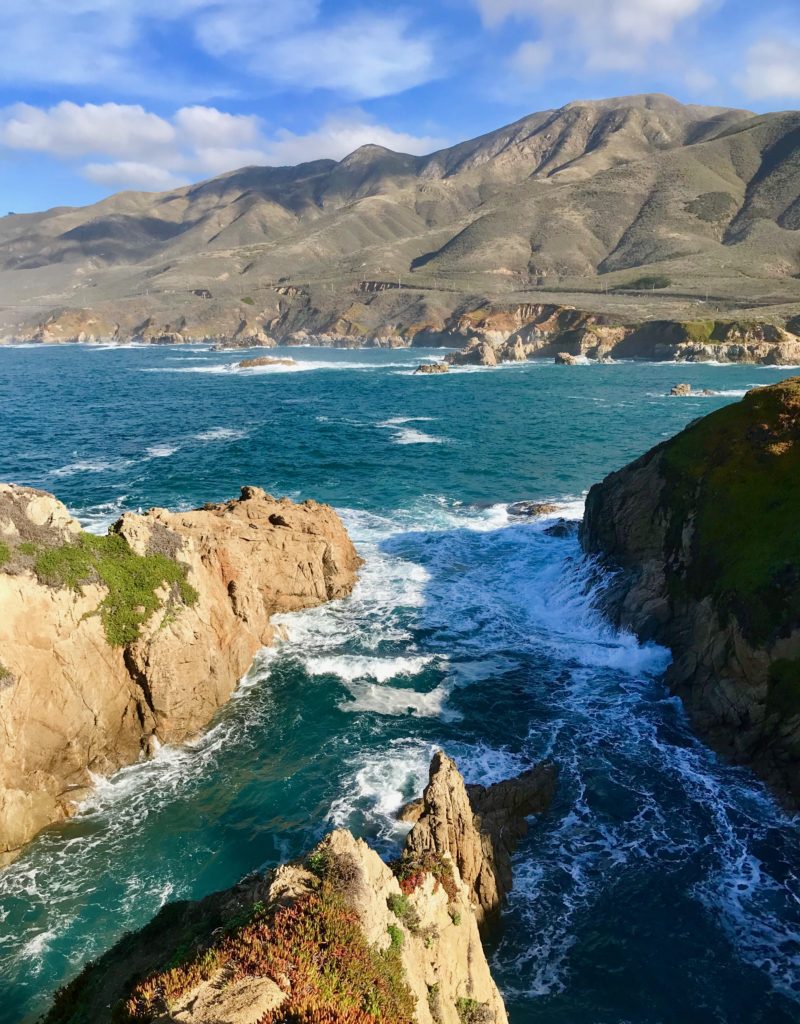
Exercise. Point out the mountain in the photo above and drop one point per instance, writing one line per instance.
(589, 198)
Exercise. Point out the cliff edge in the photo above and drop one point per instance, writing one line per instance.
(110, 646)
(337, 938)
(703, 530)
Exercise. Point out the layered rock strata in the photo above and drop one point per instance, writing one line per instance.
(111, 646)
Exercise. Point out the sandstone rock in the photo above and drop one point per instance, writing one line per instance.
(432, 368)
(72, 704)
(248, 364)
(565, 359)
(479, 827)
(702, 533)
(432, 928)
(513, 352)
(681, 390)
(477, 353)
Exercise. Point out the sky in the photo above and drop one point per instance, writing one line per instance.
(102, 95)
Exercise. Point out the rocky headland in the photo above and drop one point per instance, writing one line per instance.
(111, 646)
(702, 532)
(339, 937)
(482, 334)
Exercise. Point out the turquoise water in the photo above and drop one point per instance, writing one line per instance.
(662, 886)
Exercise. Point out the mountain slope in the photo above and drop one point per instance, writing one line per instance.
(588, 197)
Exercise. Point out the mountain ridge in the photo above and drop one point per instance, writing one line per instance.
(578, 200)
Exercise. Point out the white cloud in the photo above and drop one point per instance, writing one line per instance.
(531, 58)
(129, 45)
(606, 34)
(772, 70)
(365, 56)
(69, 129)
(126, 146)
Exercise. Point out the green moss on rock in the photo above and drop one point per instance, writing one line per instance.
(5, 553)
(131, 580)
(734, 479)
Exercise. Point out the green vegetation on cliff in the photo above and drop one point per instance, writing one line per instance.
(733, 480)
(131, 580)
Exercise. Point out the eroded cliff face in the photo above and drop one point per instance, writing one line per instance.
(337, 938)
(703, 529)
(112, 646)
(481, 332)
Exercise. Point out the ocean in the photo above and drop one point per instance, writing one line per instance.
(662, 886)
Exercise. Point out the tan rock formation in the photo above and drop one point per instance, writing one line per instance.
(75, 700)
(249, 364)
(419, 934)
(478, 827)
(477, 353)
(565, 359)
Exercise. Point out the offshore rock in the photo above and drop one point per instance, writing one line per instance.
(565, 359)
(237, 962)
(479, 827)
(680, 390)
(432, 368)
(702, 531)
(532, 508)
(256, 361)
(77, 700)
(477, 353)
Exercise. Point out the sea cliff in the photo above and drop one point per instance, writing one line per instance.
(111, 646)
(702, 531)
(339, 937)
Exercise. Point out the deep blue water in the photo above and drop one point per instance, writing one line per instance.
(662, 886)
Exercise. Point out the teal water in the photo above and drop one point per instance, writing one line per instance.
(662, 886)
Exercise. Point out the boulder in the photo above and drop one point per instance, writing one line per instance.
(680, 390)
(532, 508)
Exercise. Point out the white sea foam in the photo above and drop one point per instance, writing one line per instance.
(221, 434)
(161, 451)
(92, 466)
(350, 667)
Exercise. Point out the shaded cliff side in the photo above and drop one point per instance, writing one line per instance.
(704, 530)
(110, 646)
(337, 938)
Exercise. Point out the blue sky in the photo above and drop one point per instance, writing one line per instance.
(100, 95)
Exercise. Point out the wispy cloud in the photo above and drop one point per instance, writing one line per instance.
(772, 70)
(602, 34)
(125, 146)
(130, 46)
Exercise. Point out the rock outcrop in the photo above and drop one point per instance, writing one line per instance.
(339, 936)
(256, 361)
(110, 646)
(477, 353)
(702, 531)
(564, 359)
(432, 368)
(478, 827)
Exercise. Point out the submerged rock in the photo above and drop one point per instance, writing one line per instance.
(110, 646)
(702, 531)
(337, 936)
(532, 508)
